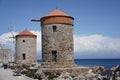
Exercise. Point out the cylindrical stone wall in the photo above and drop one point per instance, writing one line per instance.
(25, 50)
(59, 39)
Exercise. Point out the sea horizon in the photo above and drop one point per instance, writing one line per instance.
(106, 63)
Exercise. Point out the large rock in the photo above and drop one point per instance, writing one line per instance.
(117, 78)
(90, 74)
(98, 69)
(100, 77)
(80, 77)
(117, 68)
(64, 76)
(39, 75)
(94, 78)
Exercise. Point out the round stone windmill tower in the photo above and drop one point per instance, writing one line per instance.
(26, 47)
(57, 40)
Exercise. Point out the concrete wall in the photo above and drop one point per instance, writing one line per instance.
(60, 41)
(25, 45)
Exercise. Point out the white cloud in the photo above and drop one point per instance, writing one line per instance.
(7, 41)
(7, 37)
(91, 44)
(38, 33)
(96, 43)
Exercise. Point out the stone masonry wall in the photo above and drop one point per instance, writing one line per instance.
(5, 55)
(61, 41)
(26, 46)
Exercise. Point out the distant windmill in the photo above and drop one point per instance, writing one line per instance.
(12, 36)
(12, 30)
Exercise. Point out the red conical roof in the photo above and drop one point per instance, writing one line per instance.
(56, 12)
(26, 33)
(57, 17)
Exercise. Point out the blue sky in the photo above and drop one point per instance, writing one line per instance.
(93, 18)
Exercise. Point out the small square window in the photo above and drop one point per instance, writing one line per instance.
(54, 29)
(23, 40)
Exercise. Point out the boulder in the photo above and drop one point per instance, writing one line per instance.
(94, 78)
(98, 69)
(117, 68)
(100, 77)
(64, 76)
(39, 75)
(118, 78)
(80, 77)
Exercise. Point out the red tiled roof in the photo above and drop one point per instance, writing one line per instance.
(26, 33)
(57, 12)
(57, 16)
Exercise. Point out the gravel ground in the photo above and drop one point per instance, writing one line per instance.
(7, 74)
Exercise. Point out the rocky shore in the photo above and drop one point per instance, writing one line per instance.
(84, 73)
(93, 73)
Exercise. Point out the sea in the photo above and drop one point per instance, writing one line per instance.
(106, 63)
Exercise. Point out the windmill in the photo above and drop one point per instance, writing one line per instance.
(12, 36)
